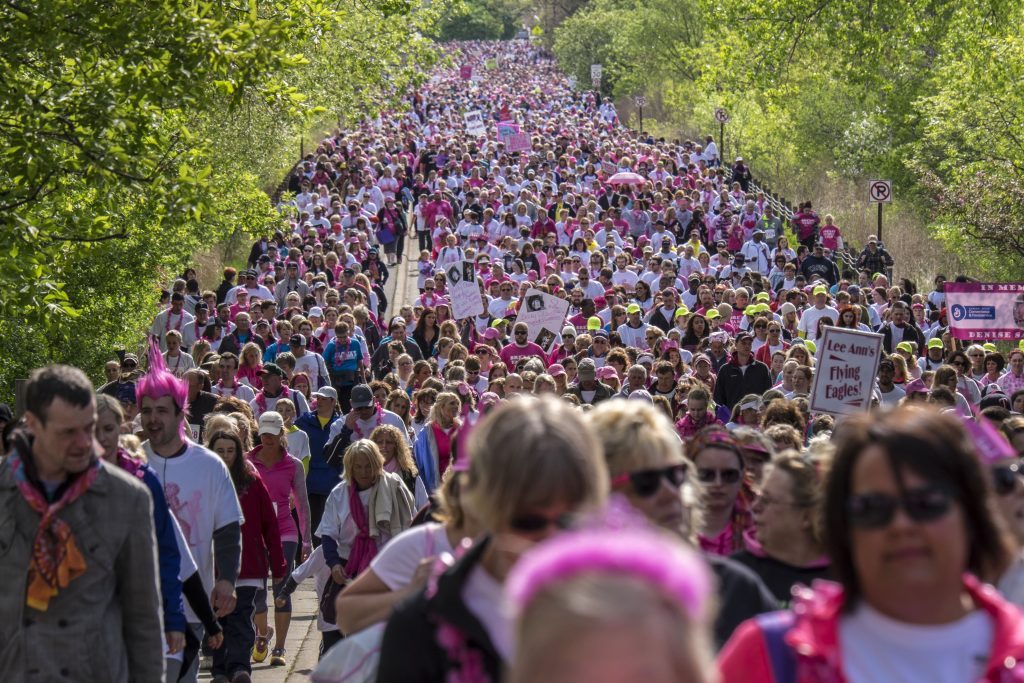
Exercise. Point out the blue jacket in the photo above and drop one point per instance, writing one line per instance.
(321, 478)
(168, 555)
(424, 452)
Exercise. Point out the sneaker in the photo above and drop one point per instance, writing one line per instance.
(241, 677)
(262, 647)
(277, 657)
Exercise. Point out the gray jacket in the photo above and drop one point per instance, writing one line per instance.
(106, 625)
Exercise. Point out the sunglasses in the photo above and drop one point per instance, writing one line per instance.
(646, 482)
(1005, 478)
(729, 475)
(531, 524)
(876, 510)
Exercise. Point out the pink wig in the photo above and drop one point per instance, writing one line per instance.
(676, 570)
(158, 382)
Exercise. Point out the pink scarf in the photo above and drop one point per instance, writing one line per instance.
(364, 549)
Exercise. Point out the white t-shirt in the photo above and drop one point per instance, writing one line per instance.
(396, 563)
(876, 648)
(809, 320)
(202, 497)
(240, 391)
(485, 598)
(366, 427)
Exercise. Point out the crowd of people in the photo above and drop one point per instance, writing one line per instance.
(644, 494)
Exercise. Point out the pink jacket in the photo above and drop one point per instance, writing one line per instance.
(813, 639)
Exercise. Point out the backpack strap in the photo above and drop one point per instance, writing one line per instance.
(774, 627)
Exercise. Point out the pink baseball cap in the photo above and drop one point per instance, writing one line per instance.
(556, 370)
(606, 372)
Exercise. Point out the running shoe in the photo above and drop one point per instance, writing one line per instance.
(277, 657)
(261, 649)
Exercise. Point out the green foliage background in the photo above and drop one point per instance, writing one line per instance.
(925, 92)
(136, 134)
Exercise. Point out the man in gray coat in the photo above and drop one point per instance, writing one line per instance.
(81, 599)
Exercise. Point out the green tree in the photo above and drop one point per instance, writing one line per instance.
(135, 135)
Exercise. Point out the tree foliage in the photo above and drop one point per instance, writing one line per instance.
(134, 135)
(481, 20)
(925, 92)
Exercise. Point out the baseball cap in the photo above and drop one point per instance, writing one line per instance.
(633, 308)
(272, 369)
(742, 336)
(490, 334)
(316, 312)
(271, 422)
(586, 369)
(362, 397)
(593, 323)
(606, 372)
(811, 346)
(935, 343)
(297, 340)
(820, 289)
(556, 370)
(682, 310)
(712, 314)
(905, 347)
(327, 392)
(762, 296)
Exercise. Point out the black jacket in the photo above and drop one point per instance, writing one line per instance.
(410, 651)
(911, 333)
(733, 383)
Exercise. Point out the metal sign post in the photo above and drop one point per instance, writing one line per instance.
(640, 101)
(880, 192)
(722, 116)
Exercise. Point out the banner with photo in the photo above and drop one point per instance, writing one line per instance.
(475, 123)
(985, 310)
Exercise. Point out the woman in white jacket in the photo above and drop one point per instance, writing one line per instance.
(361, 515)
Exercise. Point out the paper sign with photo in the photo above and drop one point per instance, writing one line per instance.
(542, 311)
(463, 290)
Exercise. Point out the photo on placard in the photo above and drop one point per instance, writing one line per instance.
(467, 271)
(535, 302)
(454, 276)
(545, 340)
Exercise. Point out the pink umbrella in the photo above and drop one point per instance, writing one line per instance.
(626, 178)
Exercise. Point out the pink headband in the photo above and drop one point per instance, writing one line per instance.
(638, 552)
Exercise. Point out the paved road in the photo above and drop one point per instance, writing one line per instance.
(303, 643)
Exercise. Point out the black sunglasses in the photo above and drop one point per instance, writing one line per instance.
(646, 482)
(876, 510)
(530, 523)
(1005, 478)
(707, 475)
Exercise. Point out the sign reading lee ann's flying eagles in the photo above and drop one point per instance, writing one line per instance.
(845, 374)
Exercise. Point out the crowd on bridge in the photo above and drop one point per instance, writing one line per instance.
(643, 492)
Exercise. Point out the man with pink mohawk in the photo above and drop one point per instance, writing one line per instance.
(204, 503)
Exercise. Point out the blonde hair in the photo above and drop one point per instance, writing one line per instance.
(527, 453)
(363, 447)
(442, 398)
(227, 422)
(634, 436)
(402, 453)
(561, 615)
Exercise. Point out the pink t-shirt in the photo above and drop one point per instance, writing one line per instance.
(283, 479)
(513, 353)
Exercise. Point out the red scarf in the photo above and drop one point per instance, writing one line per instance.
(364, 549)
(261, 398)
(56, 560)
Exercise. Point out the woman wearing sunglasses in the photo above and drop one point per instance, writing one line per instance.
(725, 497)
(911, 535)
(646, 465)
(785, 548)
(533, 465)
